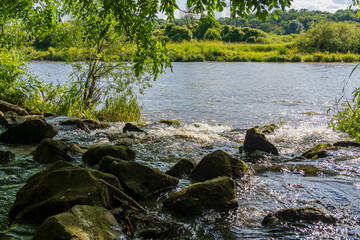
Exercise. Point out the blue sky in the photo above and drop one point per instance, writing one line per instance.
(323, 5)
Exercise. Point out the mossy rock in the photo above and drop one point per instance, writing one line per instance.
(298, 215)
(218, 194)
(94, 124)
(129, 127)
(50, 151)
(28, 132)
(217, 164)
(170, 122)
(319, 151)
(57, 189)
(139, 181)
(82, 223)
(5, 107)
(181, 168)
(78, 123)
(6, 156)
(346, 144)
(254, 140)
(266, 129)
(95, 154)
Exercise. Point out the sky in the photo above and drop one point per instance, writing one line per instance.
(322, 5)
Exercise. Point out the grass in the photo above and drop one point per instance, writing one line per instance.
(195, 51)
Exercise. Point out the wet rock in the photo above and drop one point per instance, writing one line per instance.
(59, 188)
(75, 150)
(81, 222)
(27, 132)
(11, 118)
(148, 226)
(217, 164)
(319, 151)
(6, 156)
(49, 114)
(139, 181)
(257, 141)
(298, 215)
(181, 168)
(129, 127)
(5, 106)
(170, 122)
(50, 151)
(94, 124)
(266, 129)
(218, 194)
(346, 144)
(76, 123)
(95, 154)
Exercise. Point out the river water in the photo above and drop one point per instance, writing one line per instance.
(216, 103)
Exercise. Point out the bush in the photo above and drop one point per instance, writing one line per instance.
(212, 34)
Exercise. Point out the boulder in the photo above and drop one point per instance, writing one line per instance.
(58, 188)
(85, 125)
(82, 223)
(217, 164)
(94, 124)
(6, 156)
(139, 181)
(76, 123)
(319, 151)
(11, 118)
(181, 168)
(129, 127)
(170, 122)
(218, 194)
(298, 215)
(5, 106)
(27, 132)
(257, 141)
(95, 154)
(50, 151)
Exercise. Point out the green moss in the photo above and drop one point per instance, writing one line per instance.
(95, 154)
(319, 151)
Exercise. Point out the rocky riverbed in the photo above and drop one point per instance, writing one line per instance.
(63, 177)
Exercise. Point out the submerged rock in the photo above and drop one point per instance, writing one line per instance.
(170, 122)
(27, 132)
(346, 144)
(6, 156)
(218, 193)
(319, 151)
(57, 189)
(181, 168)
(298, 215)
(50, 151)
(95, 154)
(81, 222)
(257, 141)
(129, 127)
(138, 180)
(5, 106)
(217, 164)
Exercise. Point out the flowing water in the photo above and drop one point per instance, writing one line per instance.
(216, 103)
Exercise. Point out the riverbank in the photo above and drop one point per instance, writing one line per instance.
(207, 51)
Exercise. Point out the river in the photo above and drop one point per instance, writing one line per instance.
(216, 103)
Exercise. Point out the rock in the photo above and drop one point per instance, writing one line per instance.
(48, 114)
(5, 106)
(75, 150)
(27, 132)
(217, 164)
(170, 122)
(298, 215)
(95, 154)
(346, 144)
(76, 123)
(6, 156)
(218, 193)
(94, 124)
(148, 226)
(139, 181)
(57, 189)
(266, 129)
(319, 151)
(50, 151)
(257, 141)
(10, 118)
(81, 222)
(181, 168)
(129, 127)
